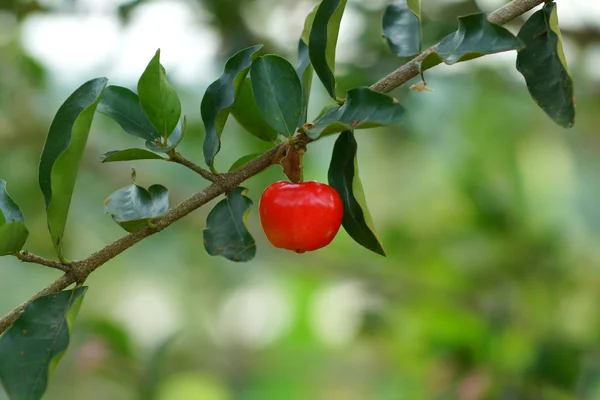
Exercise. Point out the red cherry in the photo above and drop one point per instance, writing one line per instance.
(301, 216)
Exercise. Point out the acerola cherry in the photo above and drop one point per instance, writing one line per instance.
(301, 216)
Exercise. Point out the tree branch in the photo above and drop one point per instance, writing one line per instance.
(26, 256)
(223, 183)
(176, 157)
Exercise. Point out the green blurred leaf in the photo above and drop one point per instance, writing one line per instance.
(243, 160)
(305, 73)
(544, 66)
(62, 155)
(363, 109)
(226, 232)
(323, 41)
(220, 96)
(123, 106)
(32, 347)
(158, 98)
(172, 142)
(308, 23)
(475, 37)
(248, 116)
(402, 27)
(278, 93)
(343, 177)
(129, 155)
(13, 233)
(133, 207)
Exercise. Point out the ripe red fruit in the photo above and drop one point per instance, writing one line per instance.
(301, 216)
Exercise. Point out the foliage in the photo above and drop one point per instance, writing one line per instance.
(270, 99)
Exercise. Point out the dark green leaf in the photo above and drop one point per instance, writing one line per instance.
(220, 96)
(402, 27)
(476, 37)
(248, 116)
(278, 93)
(363, 109)
(62, 154)
(173, 140)
(122, 105)
(158, 98)
(13, 232)
(32, 347)
(133, 207)
(305, 73)
(226, 233)
(544, 66)
(243, 160)
(323, 41)
(129, 155)
(343, 177)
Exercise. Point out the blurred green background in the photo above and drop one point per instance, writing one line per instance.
(489, 214)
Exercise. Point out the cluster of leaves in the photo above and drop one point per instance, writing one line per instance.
(269, 97)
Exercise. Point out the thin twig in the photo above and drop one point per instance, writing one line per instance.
(224, 183)
(179, 159)
(26, 256)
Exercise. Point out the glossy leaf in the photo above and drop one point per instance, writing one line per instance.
(343, 177)
(475, 37)
(158, 98)
(322, 41)
(129, 155)
(13, 233)
(243, 160)
(32, 347)
(248, 116)
(123, 106)
(220, 96)
(363, 109)
(226, 233)
(305, 73)
(278, 93)
(133, 207)
(172, 142)
(62, 154)
(402, 27)
(544, 66)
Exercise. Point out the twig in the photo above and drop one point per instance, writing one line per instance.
(224, 183)
(26, 256)
(179, 159)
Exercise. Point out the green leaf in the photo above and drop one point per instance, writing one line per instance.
(243, 160)
(129, 155)
(248, 116)
(226, 233)
(402, 27)
(172, 142)
(133, 207)
(475, 37)
(123, 106)
(62, 155)
(363, 109)
(220, 96)
(308, 23)
(343, 177)
(13, 233)
(32, 347)
(544, 66)
(323, 41)
(278, 93)
(158, 98)
(305, 73)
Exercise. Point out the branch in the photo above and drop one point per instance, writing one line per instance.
(26, 256)
(409, 70)
(179, 159)
(224, 183)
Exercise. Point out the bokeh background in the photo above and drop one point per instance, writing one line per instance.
(488, 211)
